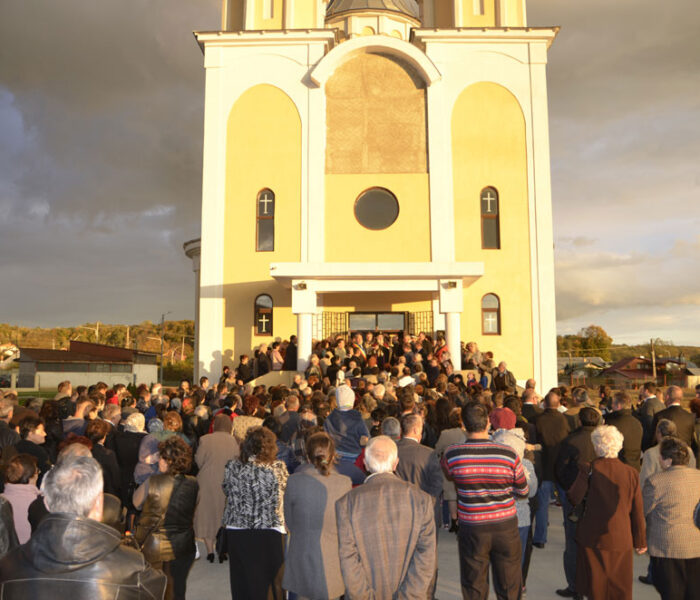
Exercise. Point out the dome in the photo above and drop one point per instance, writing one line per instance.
(406, 7)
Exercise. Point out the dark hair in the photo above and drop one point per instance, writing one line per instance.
(514, 404)
(259, 443)
(475, 417)
(21, 468)
(650, 387)
(675, 449)
(273, 425)
(177, 454)
(50, 411)
(96, 430)
(29, 424)
(588, 416)
(406, 398)
(320, 450)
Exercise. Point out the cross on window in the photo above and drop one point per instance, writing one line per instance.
(265, 199)
(491, 322)
(262, 322)
(488, 198)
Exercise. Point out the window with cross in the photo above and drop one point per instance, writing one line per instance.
(490, 219)
(490, 315)
(263, 315)
(265, 221)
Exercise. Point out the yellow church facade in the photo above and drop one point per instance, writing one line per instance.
(377, 165)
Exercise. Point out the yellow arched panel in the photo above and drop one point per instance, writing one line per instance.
(263, 151)
(489, 149)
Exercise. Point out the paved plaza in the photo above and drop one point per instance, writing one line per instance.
(208, 581)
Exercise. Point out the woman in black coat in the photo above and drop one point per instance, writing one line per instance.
(96, 432)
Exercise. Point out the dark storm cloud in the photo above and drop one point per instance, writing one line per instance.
(101, 109)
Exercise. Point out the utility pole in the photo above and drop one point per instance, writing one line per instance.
(162, 341)
(182, 351)
(127, 336)
(653, 360)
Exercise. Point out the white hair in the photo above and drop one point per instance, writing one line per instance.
(381, 454)
(379, 391)
(135, 422)
(73, 486)
(607, 441)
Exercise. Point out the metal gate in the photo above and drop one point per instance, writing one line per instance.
(420, 321)
(334, 324)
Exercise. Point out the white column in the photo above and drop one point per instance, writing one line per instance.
(452, 305)
(453, 338)
(304, 334)
(304, 307)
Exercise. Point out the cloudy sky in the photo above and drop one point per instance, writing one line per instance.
(100, 161)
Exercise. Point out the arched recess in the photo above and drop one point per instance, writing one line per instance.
(381, 44)
(263, 152)
(489, 150)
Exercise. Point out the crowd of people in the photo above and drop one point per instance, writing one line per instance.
(337, 484)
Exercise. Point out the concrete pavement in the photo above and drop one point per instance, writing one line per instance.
(211, 581)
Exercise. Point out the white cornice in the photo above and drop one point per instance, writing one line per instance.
(481, 34)
(223, 39)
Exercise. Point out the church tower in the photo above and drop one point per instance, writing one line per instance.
(377, 165)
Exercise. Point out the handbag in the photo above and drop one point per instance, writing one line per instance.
(156, 546)
(696, 515)
(579, 510)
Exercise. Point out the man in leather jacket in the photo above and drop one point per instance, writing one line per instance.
(73, 555)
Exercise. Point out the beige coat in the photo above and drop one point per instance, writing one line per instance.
(215, 450)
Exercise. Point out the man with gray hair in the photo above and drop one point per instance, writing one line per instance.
(391, 428)
(386, 518)
(674, 411)
(72, 554)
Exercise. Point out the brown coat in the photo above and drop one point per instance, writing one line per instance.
(612, 526)
(214, 451)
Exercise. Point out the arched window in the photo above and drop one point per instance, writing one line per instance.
(265, 226)
(490, 219)
(490, 315)
(263, 315)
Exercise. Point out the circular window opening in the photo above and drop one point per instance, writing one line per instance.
(376, 208)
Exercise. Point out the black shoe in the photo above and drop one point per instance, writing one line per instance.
(222, 557)
(567, 593)
(539, 545)
(645, 579)
(454, 526)
(210, 557)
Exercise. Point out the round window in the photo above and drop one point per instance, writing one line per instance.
(376, 208)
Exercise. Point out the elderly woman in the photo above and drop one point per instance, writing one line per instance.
(312, 568)
(612, 525)
(214, 451)
(126, 447)
(670, 497)
(254, 486)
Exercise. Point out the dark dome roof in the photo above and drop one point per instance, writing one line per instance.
(406, 7)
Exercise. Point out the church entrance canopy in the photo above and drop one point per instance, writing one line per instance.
(445, 279)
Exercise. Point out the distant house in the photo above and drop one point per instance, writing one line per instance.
(635, 370)
(581, 366)
(84, 364)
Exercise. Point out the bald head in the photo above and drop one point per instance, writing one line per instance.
(381, 455)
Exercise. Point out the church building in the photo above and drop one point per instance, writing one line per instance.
(376, 165)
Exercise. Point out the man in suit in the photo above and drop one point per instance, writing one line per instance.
(503, 379)
(386, 518)
(552, 427)
(684, 420)
(420, 466)
(649, 405)
(630, 427)
(531, 409)
(577, 448)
